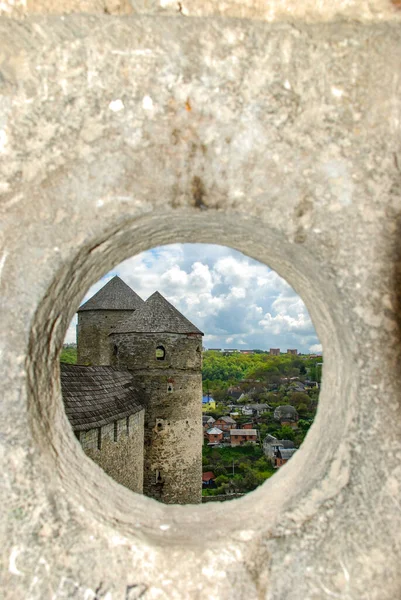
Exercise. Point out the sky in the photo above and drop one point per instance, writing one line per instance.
(236, 301)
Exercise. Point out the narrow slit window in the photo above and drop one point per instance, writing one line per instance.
(127, 426)
(160, 353)
(99, 438)
(115, 430)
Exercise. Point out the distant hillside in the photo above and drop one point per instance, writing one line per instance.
(219, 369)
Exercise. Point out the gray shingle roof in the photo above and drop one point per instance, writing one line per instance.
(156, 315)
(286, 453)
(115, 295)
(95, 396)
(286, 411)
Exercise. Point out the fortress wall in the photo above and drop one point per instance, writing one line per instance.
(121, 459)
(93, 335)
(173, 413)
(135, 350)
(173, 435)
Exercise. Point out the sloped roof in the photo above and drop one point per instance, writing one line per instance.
(286, 453)
(286, 411)
(208, 476)
(96, 396)
(227, 420)
(242, 431)
(214, 431)
(115, 295)
(156, 315)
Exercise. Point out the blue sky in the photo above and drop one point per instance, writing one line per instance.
(236, 301)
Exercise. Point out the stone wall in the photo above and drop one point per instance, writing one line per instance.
(107, 124)
(121, 449)
(173, 412)
(93, 331)
(133, 351)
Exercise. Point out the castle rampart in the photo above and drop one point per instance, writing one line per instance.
(118, 449)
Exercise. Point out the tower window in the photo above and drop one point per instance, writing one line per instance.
(115, 431)
(99, 438)
(115, 350)
(160, 353)
(127, 426)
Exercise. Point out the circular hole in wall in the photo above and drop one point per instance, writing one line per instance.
(237, 418)
(309, 478)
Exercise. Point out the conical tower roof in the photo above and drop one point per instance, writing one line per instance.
(157, 315)
(115, 295)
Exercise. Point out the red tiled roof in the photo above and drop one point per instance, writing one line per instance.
(208, 476)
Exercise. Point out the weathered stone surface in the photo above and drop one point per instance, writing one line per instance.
(120, 456)
(281, 140)
(93, 331)
(173, 410)
(272, 10)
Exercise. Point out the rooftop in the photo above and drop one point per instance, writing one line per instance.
(115, 295)
(156, 315)
(243, 432)
(96, 396)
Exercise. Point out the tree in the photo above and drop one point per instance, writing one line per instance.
(286, 433)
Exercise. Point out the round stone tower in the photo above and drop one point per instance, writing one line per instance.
(116, 301)
(164, 351)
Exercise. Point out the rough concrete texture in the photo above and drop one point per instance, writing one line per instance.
(264, 10)
(93, 335)
(280, 140)
(173, 410)
(120, 456)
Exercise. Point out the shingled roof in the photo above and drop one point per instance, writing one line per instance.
(156, 315)
(115, 295)
(96, 396)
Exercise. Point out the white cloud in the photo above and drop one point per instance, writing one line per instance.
(235, 300)
(316, 348)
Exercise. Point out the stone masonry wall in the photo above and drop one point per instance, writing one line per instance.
(173, 413)
(93, 335)
(122, 458)
(133, 351)
(173, 435)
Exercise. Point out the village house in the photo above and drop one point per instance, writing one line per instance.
(239, 437)
(225, 423)
(214, 436)
(278, 451)
(254, 409)
(283, 455)
(208, 403)
(287, 415)
(207, 421)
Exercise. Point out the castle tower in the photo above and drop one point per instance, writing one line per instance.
(164, 351)
(116, 301)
